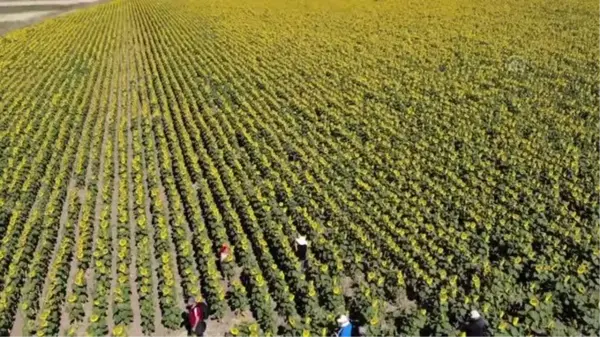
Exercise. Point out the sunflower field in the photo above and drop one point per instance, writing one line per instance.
(441, 156)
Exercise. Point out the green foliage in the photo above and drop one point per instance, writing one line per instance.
(437, 159)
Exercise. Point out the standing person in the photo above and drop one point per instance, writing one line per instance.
(226, 256)
(345, 327)
(197, 312)
(477, 326)
(224, 252)
(302, 249)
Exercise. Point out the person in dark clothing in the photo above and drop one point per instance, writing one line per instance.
(477, 326)
(302, 249)
(197, 313)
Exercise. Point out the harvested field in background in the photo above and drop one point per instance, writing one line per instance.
(16, 14)
(23, 16)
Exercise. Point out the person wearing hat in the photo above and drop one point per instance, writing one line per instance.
(345, 327)
(477, 326)
(301, 249)
(197, 312)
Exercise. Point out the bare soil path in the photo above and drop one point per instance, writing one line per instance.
(64, 315)
(160, 330)
(72, 188)
(18, 324)
(136, 325)
(158, 313)
(165, 202)
(98, 209)
(115, 197)
(151, 160)
(64, 215)
(83, 193)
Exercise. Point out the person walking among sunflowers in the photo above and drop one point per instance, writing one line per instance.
(477, 326)
(197, 313)
(301, 247)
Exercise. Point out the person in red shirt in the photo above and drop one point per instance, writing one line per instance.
(224, 252)
(197, 312)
